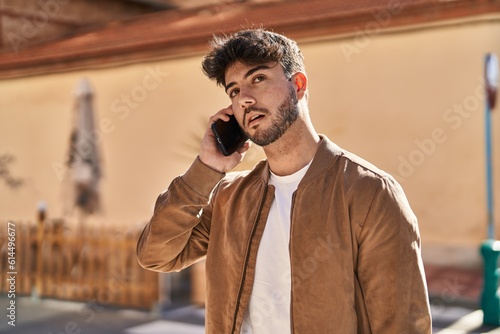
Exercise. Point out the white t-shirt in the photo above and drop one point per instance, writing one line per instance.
(269, 307)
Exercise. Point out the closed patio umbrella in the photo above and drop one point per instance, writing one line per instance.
(84, 165)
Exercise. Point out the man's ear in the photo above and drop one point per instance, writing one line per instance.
(299, 80)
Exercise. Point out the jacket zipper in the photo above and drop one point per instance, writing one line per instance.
(291, 267)
(240, 291)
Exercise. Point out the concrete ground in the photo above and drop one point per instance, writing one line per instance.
(56, 317)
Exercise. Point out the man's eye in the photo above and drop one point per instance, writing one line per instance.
(233, 93)
(259, 78)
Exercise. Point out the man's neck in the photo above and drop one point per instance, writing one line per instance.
(294, 150)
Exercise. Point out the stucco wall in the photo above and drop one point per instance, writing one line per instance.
(409, 101)
(413, 104)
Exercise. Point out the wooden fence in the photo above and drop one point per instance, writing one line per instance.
(96, 265)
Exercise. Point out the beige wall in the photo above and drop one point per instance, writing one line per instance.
(394, 98)
(396, 104)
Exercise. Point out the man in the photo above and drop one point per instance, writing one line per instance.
(312, 240)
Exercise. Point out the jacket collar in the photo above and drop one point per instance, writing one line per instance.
(326, 153)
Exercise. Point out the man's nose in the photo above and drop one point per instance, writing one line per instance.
(246, 100)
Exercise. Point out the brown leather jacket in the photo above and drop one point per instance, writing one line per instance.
(354, 245)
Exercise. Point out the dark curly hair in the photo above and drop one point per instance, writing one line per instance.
(251, 47)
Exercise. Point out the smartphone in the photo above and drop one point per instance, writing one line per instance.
(229, 135)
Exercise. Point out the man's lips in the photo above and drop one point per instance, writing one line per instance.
(252, 117)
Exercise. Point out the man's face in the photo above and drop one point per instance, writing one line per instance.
(263, 100)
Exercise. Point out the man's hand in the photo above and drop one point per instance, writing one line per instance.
(209, 152)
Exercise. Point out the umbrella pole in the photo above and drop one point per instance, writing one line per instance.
(489, 173)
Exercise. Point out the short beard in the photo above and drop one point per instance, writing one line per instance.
(288, 112)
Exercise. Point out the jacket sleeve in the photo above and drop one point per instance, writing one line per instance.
(389, 266)
(177, 235)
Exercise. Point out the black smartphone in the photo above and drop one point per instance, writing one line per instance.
(229, 135)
